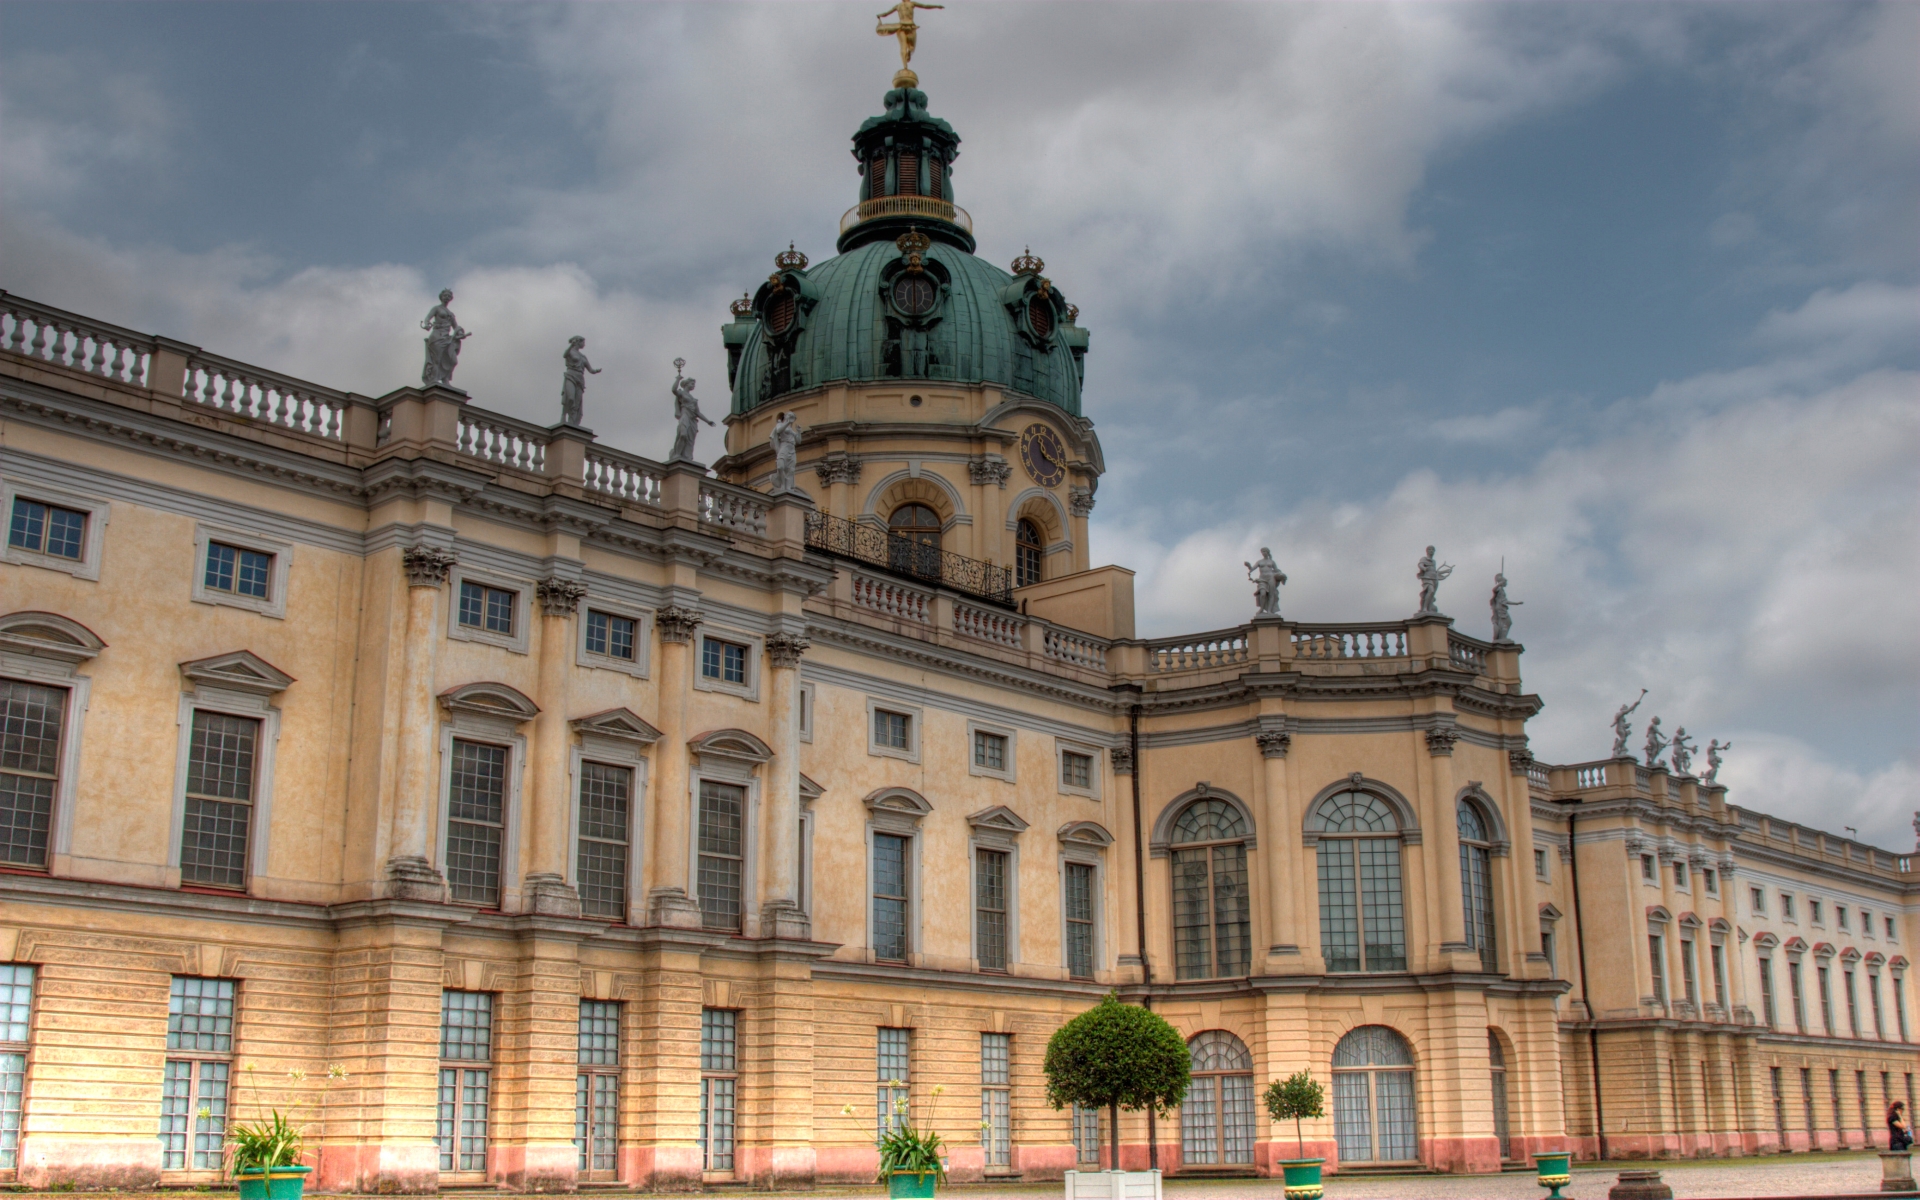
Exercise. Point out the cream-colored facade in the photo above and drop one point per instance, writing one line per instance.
(607, 821)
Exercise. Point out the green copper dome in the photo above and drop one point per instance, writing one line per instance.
(906, 299)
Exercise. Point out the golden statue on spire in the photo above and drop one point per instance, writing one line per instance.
(907, 31)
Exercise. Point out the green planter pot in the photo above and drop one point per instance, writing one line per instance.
(1303, 1178)
(901, 1184)
(1555, 1171)
(274, 1183)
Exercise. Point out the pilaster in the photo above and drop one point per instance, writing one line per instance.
(668, 902)
(411, 874)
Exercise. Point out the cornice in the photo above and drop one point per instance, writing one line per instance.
(895, 974)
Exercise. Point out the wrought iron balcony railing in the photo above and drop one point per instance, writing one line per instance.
(910, 559)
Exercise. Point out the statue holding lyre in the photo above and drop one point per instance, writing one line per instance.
(904, 28)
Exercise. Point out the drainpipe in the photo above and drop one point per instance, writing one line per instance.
(1586, 997)
(1140, 910)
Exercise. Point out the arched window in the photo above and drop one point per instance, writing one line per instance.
(1498, 1058)
(1211, 933)
(1373, 1097)
(914, 546)
(1476, 881)
(1362, 922)
(1217, 1123)
(1027, 548)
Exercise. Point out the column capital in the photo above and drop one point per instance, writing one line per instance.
(559, 597)
(1122, 759)
(785, 649)
(676, 622)
(412, 877)
(426, 566)
(1274, 743)
(1440, 741)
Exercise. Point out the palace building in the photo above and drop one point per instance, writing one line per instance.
(526, 812)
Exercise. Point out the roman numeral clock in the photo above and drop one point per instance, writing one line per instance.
(1043, 454)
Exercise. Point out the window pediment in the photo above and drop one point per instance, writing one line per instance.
(620, 723)
(736, 744)
(1765, 941)
(1849, 955)
(497, 700)
(49, 635)
(238, 671)
(1085, 833)
(998, 819)
(899, 801)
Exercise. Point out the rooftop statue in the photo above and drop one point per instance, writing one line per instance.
(686, 415)
(1430, 573)
(1267, 578)
(1682, 752)
(908, 32)
(1656, 743)
(1714, 748)
(1502, 617)
(444, 336)
(786, 449)
(1622, 730)
(573, 384)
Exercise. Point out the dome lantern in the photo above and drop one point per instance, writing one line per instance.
(905, 159)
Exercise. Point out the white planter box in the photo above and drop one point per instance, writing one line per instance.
(1113, 1185)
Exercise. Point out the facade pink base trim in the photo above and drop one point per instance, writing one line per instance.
(846, 1164)
(88, 1164)
(777, 1166)
(661, 1168)
(1267, 1156)
(390, 1168)
(1044, 1162)
(537, 1167)
(1461, 1156)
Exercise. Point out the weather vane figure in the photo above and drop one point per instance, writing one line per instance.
(908, 31)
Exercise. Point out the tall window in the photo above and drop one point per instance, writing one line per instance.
(16, 1008)
(239, 572)
(1839, 1114)
(890, 896)
(1212, 934)
(1362, 924)
(1086, 1136)
(719, 1084)
(606, 797)
(1900, 1005)
(914, 546)
(1766, 992)
(1217, 1123)
(31, 718)
(1028, 546)
(1688, 974)
(466, 1052)
(1806, 1099)
(1657, 955)
(1373, 1118)
(1079, 914)
(596, 1097)
(1779, 1106)
(990, 908)
(1853, 1003)
(1476, 881)
(1497, 1059)
(722, 853)
(1824, 978)
(47, 529)
(193, 1096)
(221, 756)
(1798, 997)
(996, 1106)
(486, 608)
(891, 1062)
(1866, 1115)
(1873, 1004)
(1719, 953)
(476, 823)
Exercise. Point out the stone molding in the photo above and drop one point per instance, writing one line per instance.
(426, 566)
(1274, 743)
(676, 622)
(559, 597)
(838, 467)
(1440, 742)
(1080, 500)
(991, 469)
(785, 649)
(1122, 759)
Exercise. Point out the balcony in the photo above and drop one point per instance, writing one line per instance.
(909, 559)
(907, 206)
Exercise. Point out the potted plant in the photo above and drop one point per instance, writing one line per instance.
(1299, 1098)
(266, 1154)
(912, 1162)
(1118, 1056)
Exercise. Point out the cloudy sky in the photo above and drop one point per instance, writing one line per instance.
(1628, 295)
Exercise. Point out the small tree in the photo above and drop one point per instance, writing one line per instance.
(1298, 1098)
(1116, 1056)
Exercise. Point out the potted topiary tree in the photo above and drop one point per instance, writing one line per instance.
(1117, 1056)
(1299, 1098)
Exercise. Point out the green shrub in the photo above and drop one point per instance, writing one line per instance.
(1298, 1098)
(1117, 1056)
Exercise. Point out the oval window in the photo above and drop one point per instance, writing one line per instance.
(1040, 316)
(914, 295)
(780, 311)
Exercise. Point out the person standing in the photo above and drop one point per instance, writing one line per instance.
(1899, 1136)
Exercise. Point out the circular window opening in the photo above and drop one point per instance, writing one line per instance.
(914, 295)
(1040, 316)
(914, 400)
(780, 311)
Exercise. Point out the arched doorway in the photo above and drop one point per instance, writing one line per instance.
(1029, 548)
(914, 544)
(1217, 1123)
(1502, 1129)
(1373, 1118)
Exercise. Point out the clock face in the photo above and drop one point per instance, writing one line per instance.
(914, 295)
(1044, 455)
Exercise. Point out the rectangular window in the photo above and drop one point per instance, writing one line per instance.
(1900, 1005)
(1814, 911)
(193, 1095)
(891, 1063)
(1540, 864)
(611, 635)
(1794, 994)
(1076, 769)
(1362, 915)
(237, 571)
(476, 823)
(1766, 992)
(719, 1083)
(990, 908)
(1824, 978)
(1839, 1116)
(1710, 879)
(723, 809)
(1840, 915)
(31, 720)
(596, 1102)
(890, 896)
(1086, 1136)
(219, 803)
(1679, 874)
(989, 751)
(606, 797)
(1547, 951)
(1853, 1005)
(725, 662)
(891, 729)
(1758, 898)
(1866, 923)
(1648, 871)
(486, 608)
(47, 529)
(1873, 1006)
(1079, 908)
(1786, 906)
(1866, 1115)
(1889, 925)
(16, 1009)
(996, 1120)
(1657, 952)
(466, 1052)
(1688, 980)
(1806, 1098)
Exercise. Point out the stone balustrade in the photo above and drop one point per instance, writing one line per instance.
(1467, 654)
(69, 340)
(625, 477)
(264, 396)
(1590, 775)
(1329, 642)
(1073, 648)
(987, 625)
(501, 441)
(890, 598)
(733, 508)
(1223, 649)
